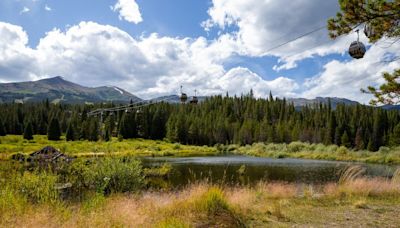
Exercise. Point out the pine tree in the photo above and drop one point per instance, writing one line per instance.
(127, 126)
(107, 130)
(330, 133)
(345, 141)
(377, 132)
(54, 132)
(394, 139)
(358, 141)
(107, 134)
(70, 134)
(28, 131)
(337, 136)
(83, 134)
(2, 128)
(93, 130)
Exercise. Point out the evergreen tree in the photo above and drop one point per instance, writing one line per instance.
(330, 133)
(377, 132)
(28, 131)
(345, 141)
(127, 127)
(2, 128)
(107, 134)
(338, 135)
(93, 130)
(84, 134)
(107, 130)
(359, 142)
(394, 139)
(70, 134)
(54, 132)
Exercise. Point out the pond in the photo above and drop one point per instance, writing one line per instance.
(250, 170)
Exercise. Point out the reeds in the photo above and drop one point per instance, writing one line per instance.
(350, 174)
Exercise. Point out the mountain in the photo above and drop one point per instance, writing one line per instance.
(301, 102)
(391, 107)
(59, 90)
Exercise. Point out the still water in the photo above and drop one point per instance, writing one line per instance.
(250, 170)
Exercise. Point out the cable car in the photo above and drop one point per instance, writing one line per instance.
(194, 100)
(183, 97)
(357, 49)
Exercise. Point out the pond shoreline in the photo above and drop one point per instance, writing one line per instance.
(12, 144)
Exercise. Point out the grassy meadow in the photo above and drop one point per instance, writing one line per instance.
(353, 202)
(110, 188)
(12, 144)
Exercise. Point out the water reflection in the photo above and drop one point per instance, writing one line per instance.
(250, 170)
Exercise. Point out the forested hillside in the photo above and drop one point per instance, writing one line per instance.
(217, 120)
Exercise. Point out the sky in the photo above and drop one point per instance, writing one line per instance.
(151, 47)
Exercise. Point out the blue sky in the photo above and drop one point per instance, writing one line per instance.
(213, 46)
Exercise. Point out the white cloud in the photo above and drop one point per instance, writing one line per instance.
(24, 10)
(47, 8)
(128, 10)
(345, 79)
(264, 24)
(242, 80)
(17, 62)
(92, 54)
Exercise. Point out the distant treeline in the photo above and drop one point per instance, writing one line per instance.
(217, 120)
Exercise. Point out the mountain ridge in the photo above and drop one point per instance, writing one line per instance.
(57, 90)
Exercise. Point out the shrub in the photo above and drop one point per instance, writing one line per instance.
(11, 202)
(108, 175)
(296, 146)
(37, 187)
(331, 148)
(342, 150)
(384, 150)
(212, 201)
(176, 146)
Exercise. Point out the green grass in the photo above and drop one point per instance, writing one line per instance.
(318, 152)
(12, 144)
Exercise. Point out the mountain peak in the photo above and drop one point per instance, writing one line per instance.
(54, 79)
(57, 89)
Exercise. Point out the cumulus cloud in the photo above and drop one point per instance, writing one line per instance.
(344, 79)
(239, 80)
(92, 54)
(128, 10)
(262, 25)
(47, 8)
(17, 62)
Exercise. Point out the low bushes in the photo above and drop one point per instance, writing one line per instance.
(105, 175)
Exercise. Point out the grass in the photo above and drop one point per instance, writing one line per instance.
(13, 144)
(204, 205)
(318, 152)
(114, 195)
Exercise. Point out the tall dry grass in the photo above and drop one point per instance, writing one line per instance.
(350, 174)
